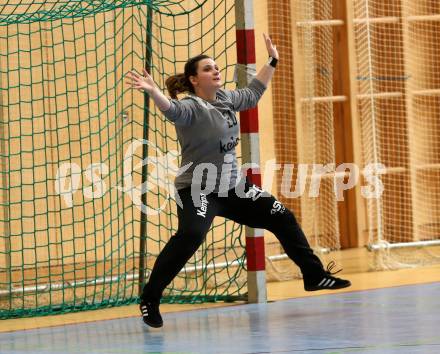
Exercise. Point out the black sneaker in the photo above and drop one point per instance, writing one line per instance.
(150, 313)
(328, 281)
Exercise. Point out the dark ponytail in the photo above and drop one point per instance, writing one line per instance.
(180, 83)
(177, 84)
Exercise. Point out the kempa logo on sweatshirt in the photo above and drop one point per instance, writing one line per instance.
(230, 145)
(203, 207)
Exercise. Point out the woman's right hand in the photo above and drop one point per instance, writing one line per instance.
(144, 83)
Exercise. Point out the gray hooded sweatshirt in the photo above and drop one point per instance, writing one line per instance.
(208, 133)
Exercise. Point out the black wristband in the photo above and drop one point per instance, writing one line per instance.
(273, 62)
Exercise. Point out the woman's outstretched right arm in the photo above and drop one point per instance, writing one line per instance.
(178, 112)
(146, 84)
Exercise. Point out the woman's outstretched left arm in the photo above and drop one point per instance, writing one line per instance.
(248, 97)
(266, 72)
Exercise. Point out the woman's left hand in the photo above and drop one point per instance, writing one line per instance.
(271, 49)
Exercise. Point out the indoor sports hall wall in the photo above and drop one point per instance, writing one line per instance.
(365, 88)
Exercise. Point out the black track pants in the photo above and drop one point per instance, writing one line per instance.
(254, 208)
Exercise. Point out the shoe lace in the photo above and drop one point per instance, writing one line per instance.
(330, 267)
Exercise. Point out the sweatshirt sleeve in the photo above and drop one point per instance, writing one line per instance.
(248, 97)
(181, 112)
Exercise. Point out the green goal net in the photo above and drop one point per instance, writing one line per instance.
(87, 164)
